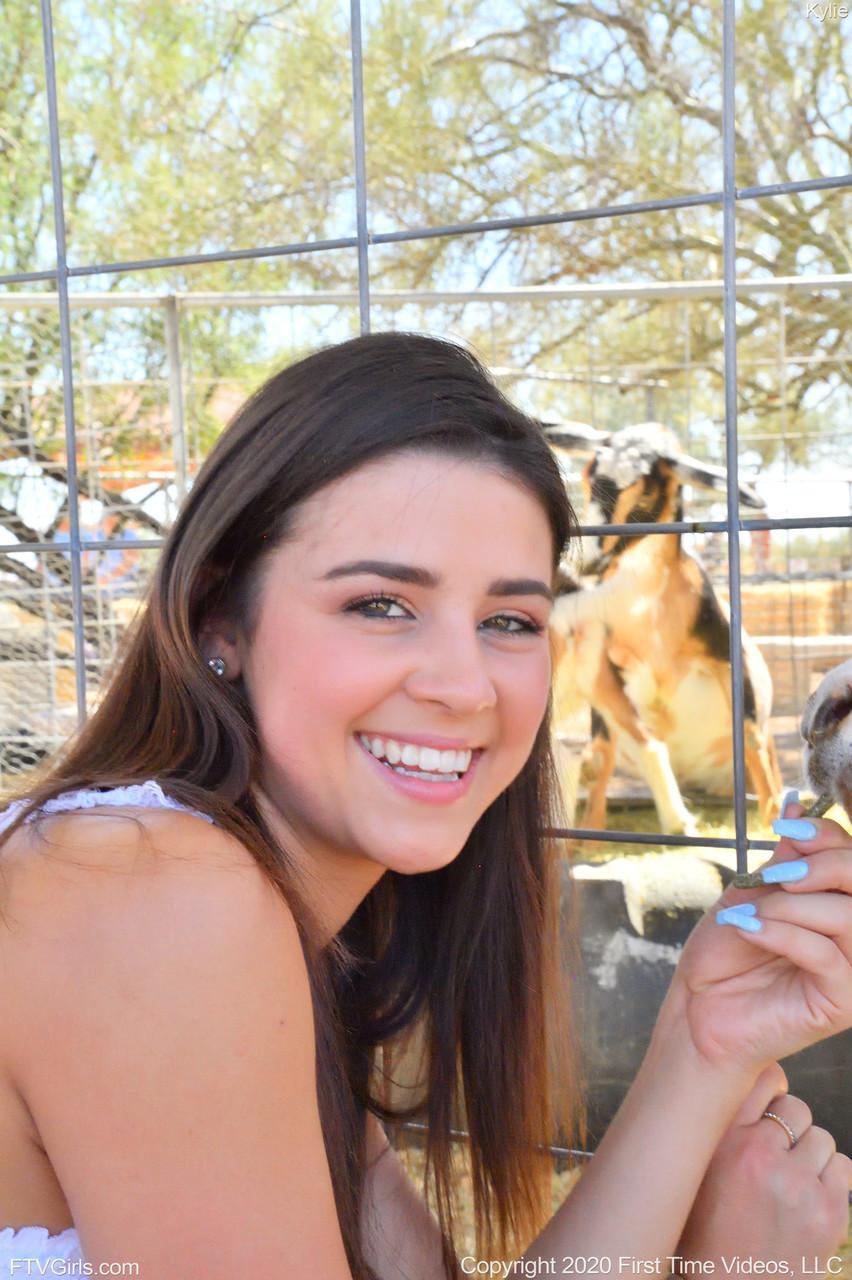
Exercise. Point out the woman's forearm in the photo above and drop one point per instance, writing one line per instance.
(634, 1196)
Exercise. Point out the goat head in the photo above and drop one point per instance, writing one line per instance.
(827, 732)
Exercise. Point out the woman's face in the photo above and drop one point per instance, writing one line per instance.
(408, 609)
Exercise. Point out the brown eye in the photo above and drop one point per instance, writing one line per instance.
(373, 607)
(523, 625)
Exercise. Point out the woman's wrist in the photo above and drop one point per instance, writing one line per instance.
(672, 1037)
(674, 1073)
(668, 1125)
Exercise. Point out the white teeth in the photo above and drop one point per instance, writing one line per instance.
(425, 759)
(429, 777)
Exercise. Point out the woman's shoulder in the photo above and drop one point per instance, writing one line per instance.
(104, 888)
(136, 828)
(157, 1021)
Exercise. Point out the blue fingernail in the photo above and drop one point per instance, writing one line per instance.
(789, 797)
(748, 907)
(781, 872)
(795, 828)
(732, 915)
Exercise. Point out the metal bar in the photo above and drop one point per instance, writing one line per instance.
(178, 428)
(591, 530)
(85, 544)
(584, 379)
(719, 526)
(548, 220)
(360, 164)
(429, 233)
(522, 293)
(641, 837)
(67, 371)
(26, 277)
(729, 303)
(791, 612)
(788, 188)
(532, 374)
(416, 1127)
(222, 255)
(388, 237)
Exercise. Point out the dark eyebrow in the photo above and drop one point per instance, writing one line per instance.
(423, 578)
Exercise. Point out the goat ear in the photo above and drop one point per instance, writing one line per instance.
(706, 476)
(574, 437)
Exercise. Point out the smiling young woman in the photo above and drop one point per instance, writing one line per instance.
(417, 659)
(366, 556)
(329, 724)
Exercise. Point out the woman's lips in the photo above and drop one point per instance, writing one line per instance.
(420, 789)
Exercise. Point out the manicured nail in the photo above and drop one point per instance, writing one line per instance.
(748, 907)
(731, 915)
(790, 796)
(782, 872)
(794, 828)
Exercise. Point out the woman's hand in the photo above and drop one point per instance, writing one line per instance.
(761, 1199)
(752, 997)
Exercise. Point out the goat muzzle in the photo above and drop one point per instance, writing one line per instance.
(828, 718)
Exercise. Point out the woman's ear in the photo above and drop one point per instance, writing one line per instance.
(217, 638)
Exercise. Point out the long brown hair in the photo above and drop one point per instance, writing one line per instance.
(469, 956)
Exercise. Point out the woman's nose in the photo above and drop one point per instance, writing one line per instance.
(453, 670)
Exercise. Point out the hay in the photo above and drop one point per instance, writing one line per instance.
(816, 608)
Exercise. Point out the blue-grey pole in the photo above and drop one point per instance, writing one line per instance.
(171, 318)
(67, 376)
(360, 165)
(729, 303)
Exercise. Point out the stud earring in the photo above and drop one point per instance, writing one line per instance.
(217, 665)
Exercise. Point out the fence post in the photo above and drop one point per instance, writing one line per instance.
(172, 325)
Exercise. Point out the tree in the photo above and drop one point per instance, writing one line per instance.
(193, 127)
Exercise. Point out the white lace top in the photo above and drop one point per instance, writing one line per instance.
(36, 1244)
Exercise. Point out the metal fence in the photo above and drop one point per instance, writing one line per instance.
(146, 431)
(366, 241)
(179, 438)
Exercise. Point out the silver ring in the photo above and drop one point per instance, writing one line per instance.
(770, 1115)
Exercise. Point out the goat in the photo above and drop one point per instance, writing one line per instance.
(647, 645)
(827, 733)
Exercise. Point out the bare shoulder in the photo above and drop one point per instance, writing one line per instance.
(99, 887)
(165, 1047)
(120, 838)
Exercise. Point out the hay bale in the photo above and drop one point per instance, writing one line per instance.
(814, 608)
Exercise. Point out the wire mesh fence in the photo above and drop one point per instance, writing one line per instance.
(614, 232)
(150, 397)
